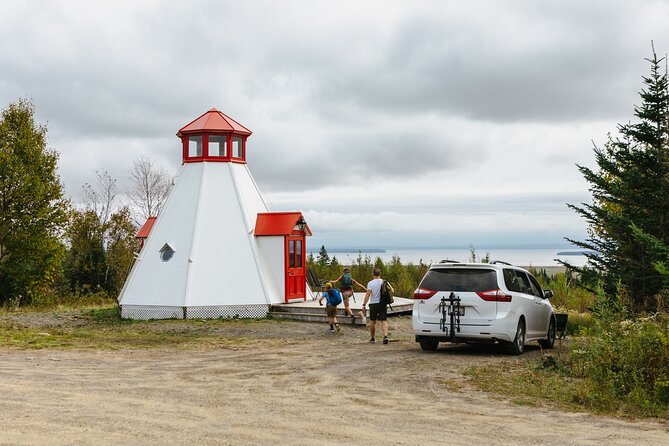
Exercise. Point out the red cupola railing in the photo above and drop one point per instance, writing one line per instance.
(215, 137)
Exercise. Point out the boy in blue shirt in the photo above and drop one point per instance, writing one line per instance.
(332, 298)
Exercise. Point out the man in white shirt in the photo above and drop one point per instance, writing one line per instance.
(377, 310)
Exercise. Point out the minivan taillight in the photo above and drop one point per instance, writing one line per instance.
(494, 296)
(423, 293)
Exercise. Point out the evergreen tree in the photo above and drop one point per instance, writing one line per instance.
(378, 263)
(630, 189)
(323, 259)
(334, 267)
(32, 208)
(362, 268)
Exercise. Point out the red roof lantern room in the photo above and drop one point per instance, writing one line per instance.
(214, 136)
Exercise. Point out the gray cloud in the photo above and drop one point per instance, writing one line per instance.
(392, 98)
(535, 65)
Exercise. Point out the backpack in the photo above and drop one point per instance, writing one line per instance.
(346, 281)
(386, 293)
(334, 297)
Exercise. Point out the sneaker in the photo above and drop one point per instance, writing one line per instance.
(385, 339)
(331, 330)
(372, 340)
(337, 328)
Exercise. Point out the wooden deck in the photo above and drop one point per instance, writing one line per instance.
(310, 311)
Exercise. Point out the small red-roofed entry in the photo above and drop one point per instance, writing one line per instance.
(292, 227)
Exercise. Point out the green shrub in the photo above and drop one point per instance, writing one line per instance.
(662, 390)
(566, 290)
(624, 362)
(578, 323)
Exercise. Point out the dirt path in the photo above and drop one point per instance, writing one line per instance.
(326, 389)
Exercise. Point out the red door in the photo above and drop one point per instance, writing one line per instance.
(296, 281)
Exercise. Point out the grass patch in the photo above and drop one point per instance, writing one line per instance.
(104, 329)
(557, 379)
(527, 383)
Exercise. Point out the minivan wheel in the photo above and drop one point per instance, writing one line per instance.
(518, 344)
(428, 345)
(549, 342)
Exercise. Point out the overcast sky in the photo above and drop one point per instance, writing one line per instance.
(389, 123)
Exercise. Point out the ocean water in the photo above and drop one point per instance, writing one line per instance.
(521, 257)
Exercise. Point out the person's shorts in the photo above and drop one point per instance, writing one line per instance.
(331, 310)
(346, 294)
(378, 312)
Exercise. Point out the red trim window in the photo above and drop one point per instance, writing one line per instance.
(194, 146)
(214, 147)
(237, 148)
(295, 253)
(218, 146)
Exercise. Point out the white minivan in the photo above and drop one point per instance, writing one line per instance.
(482, 302)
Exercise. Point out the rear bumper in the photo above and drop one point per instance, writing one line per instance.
(465, 337)
(503, 330)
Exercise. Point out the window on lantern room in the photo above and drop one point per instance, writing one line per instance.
(218, 145)
(194, 146)
(237, 151)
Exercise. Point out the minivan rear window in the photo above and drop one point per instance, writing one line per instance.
(458, 279)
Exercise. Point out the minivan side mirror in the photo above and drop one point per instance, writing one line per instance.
(548, 294)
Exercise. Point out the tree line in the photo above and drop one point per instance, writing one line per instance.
(51, 247)
(404, 277)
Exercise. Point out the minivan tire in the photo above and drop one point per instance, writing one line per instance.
(428, 345)
(549, 342)
(518, 344)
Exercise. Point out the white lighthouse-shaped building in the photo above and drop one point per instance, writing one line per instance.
(215, 250)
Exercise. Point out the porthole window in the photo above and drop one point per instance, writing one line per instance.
(166, 253)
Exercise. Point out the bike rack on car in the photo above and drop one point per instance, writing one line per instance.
(450, 315)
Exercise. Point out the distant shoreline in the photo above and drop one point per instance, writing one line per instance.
(349, 251)
(547, 257)
(383, 251)
(550, 270)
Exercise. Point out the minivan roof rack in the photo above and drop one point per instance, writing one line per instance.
(496, 262)
(448, 261)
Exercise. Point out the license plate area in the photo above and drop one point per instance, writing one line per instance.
(460, 311)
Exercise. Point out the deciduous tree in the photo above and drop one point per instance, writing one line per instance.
(151, 185)
(33, 210)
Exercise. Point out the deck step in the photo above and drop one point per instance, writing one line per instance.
(321, 317)
(318, 314)
(309, 310)
(396, 309)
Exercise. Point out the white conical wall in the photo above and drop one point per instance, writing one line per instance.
(215, 271)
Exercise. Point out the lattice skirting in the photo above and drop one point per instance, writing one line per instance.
(145, 312)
